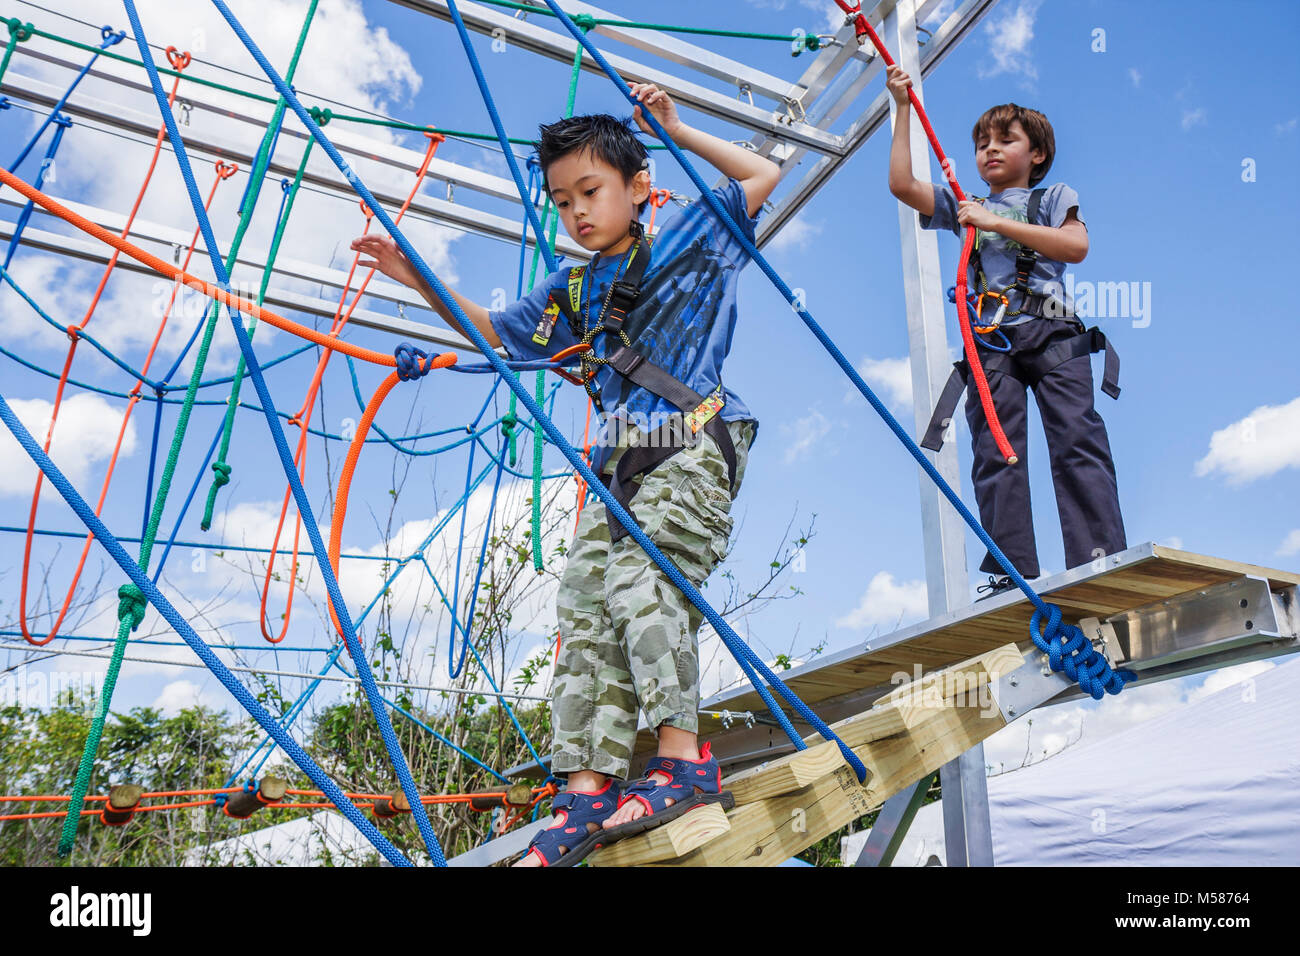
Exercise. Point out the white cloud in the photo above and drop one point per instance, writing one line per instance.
(1174, 542)
(345, 58)
(180, 694)
(1285, 127)
(1135, 76)
(1263, 443)
(892, 377)
(794, 234)
(806, 432)
(887, 604)
(81, 440)
(1194, 117)
(1009, 38)
(1290, 544)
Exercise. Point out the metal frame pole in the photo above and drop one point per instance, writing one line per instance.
(967, 835)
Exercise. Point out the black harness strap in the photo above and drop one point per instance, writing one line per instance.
(1027, 371)
(679, 431)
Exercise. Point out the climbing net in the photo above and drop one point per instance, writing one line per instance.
(492, 433)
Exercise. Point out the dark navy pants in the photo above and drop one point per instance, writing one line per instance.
(1083, 473)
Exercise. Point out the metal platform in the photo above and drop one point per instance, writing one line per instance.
(1158, 611)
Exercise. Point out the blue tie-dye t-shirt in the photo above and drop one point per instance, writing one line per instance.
(683, 320)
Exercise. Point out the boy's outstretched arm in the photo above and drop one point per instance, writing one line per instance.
(756, 174)
(390, 260)
(905, 186)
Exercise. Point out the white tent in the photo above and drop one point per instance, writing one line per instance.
(1213, 783)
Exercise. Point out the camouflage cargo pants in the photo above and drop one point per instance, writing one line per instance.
(627, 634)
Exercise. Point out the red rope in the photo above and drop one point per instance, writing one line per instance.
(863, 29)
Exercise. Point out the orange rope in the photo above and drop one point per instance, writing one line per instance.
(304, 413)
(193, 282)
(179, 62)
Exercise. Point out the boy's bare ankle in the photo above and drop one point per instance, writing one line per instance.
(679, 744)
(586, 781)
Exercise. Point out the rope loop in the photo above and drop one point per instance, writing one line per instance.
(177, 59)
(110, 37)
(222, 476)
(1069, 650)
(321, 116)
(131, 604)
(18, 30)
(226, 170)
(412, 363)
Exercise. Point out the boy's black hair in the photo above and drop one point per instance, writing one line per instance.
(610, 139)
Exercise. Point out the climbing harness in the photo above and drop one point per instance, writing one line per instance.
(699, 413)
(1029, 371)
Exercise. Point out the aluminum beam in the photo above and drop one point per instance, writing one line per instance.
(91, 251)
(562, 47)
(206, 100)
(942, 42)
(146, 126)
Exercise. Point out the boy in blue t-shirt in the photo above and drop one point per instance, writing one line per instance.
(1025, 238)
(658, 317)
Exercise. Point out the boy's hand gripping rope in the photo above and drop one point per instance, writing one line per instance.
(853, 13)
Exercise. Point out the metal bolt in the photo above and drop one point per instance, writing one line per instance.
(1013, 681)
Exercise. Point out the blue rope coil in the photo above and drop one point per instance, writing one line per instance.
(412, 363)
(1069, 650)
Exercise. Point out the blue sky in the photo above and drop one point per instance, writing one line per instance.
(1181, 144)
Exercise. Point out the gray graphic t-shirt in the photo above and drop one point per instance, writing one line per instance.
(998, 253)
(683, 319)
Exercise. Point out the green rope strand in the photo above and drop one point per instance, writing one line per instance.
(220, 467)
(131, 604)
(18, 32)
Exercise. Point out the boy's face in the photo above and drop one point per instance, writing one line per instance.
(595, 203)
(1004, 157)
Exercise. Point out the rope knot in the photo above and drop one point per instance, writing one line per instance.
(110, 37)
(131, 604)
(18, 30)
(1069, 650)
(412, 363)
(321, 116)
(585, 22)
(222, 474)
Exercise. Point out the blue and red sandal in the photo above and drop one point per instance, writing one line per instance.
(573, 837)
(690, 784)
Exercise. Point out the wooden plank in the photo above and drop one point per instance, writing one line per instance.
(770, 831)
(892, 715)
(675, 838)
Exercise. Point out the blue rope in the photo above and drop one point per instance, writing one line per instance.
(454, 666)
(169, 613)
(189, 499)
(20, 225)
(109, 38)
(724, 630)
(286, 459)
(804, 314)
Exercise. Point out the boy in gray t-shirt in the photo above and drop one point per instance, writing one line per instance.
(1025, 238)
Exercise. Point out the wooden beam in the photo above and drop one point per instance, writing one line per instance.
(674, 839)
(787, 805)
(768, 832)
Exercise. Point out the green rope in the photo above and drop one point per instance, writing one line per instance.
(588, 22)
(247, 94)
(18, 32)
(539, 438)
(131, 605)
(220, 467)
